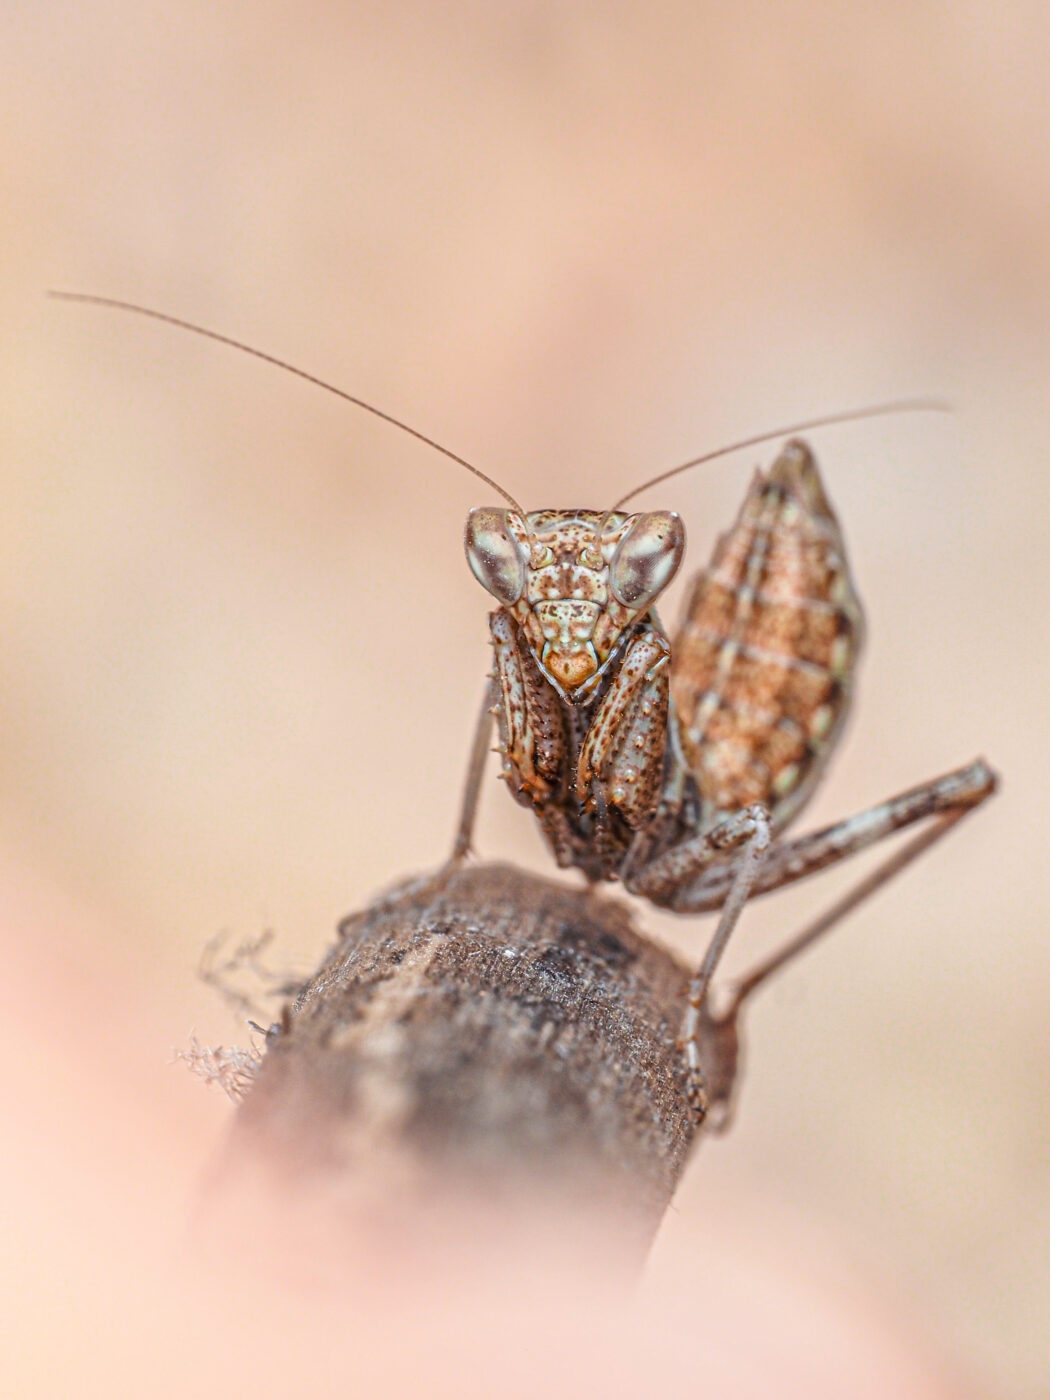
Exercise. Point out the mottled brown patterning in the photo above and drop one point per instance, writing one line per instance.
(763, 663)
(674, 767)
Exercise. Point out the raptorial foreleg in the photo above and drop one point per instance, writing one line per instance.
(621, 759)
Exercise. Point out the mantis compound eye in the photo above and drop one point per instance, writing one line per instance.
(495, 557)
(647, 559)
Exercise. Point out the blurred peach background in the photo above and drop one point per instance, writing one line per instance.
(242, 652)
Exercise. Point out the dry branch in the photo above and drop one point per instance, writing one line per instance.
(498, 1030)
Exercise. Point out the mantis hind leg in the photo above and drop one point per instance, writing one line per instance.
(686, 882)
(700, 875)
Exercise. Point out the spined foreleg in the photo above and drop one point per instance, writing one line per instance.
(533, 742)
(621, 762)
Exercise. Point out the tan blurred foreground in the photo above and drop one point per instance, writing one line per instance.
(152, 1284)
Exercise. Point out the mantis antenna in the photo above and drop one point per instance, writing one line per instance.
(850, 416)
(853, 415)
(88, 299)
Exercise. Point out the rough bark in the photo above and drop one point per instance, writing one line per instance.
(495, 1031)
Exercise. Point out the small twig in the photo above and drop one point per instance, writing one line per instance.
(232, 1067)
(221, 970)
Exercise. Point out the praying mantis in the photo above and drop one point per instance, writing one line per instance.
(676, 764)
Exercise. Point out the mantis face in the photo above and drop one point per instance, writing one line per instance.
(574, 580)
